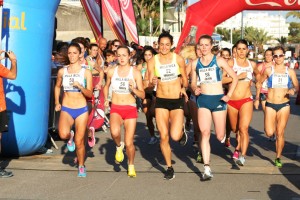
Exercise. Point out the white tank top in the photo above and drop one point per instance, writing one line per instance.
(238, 70)
(69, 79)
(120, 85)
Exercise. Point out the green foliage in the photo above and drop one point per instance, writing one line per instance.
(294, 35)
(144, 10)
(257, 37)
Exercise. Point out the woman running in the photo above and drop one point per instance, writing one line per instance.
(126, 82)
(211, 101)
(282, 82)
(268, 62)
(240, 106)
(77, 85)
(167, 71)
(148, 102)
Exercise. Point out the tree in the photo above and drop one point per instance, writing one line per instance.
(282, 40)
(295, 14)
(257, 37)
(144, 10)
(236, 34)
(294, 35)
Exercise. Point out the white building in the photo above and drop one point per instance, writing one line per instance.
(275, 25)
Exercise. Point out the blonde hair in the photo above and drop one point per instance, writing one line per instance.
(188, 52)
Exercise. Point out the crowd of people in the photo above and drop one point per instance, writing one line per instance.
(199, 84)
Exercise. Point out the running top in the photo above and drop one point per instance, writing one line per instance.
(143, 70)
(167, 72)
(69, 79)
(280, 80)
(211, 73)
(264, 88)
(238, 70)
(120, 85)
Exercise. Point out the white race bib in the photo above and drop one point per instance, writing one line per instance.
(208, 75)
(168, 72)
(280, 80)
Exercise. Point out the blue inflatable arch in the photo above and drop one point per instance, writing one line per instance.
(27, 29)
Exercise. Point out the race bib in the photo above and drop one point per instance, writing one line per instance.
(168, 72)
(121, 86)
(69, 79)
(280, 81)
(208, 75)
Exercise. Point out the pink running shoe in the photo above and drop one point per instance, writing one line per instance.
(91, 138)
(235, 155)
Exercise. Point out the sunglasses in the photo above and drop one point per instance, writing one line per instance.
(278, 56)
(116, 45)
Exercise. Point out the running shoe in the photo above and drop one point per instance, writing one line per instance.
(241, 161)
(119, 153)
(5, 174)
(71, 144)
(81, 171)
(169, 174)
(153, 140)
(91, 138)
(272, 138)
(184, 138)
(131, 171)
(199, 158)
(278, 163)
(207, 175)
(227, 142)
(235, 155)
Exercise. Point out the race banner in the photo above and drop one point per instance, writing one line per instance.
(112, 14)
(129, 19)
(93, 12)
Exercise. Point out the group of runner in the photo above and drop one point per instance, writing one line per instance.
(219, 87)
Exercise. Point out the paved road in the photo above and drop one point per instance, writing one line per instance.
(54, 176)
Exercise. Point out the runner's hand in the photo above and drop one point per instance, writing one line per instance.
(197, 91)
(225, 98)
(183, 93)
(242, 76)
(57, 107)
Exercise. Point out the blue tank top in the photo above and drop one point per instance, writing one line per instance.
(211, 73)
(280, 80)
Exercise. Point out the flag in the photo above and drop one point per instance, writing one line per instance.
(129, 19)
(112, 13)
(93, 12)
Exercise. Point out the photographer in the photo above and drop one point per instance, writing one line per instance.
(9, 74)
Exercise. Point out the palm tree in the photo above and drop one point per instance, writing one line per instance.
(282, 40)
(295, 14)
(257, 37)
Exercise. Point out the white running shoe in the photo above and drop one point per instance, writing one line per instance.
(207, 175)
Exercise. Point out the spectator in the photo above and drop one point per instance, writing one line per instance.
(9, 74)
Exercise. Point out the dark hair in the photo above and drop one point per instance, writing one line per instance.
(80, 40)
(61, 46)
(165, 34)
(226, 49)
(147, 48)
(268, 49)
(234, 46)
(241, 41)
(278, 48)
(93, 45)
(116, 40)
(76, 45)
(124, 47)
(206, 37)
(108, 53)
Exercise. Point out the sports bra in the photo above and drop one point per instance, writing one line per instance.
(211, 73)
(69, 79)
(120, 85)
(167, 72)
(238, 70)
(277, 80)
